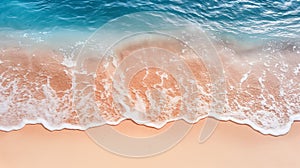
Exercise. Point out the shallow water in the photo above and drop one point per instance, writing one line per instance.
(252, 45)
(251, 18)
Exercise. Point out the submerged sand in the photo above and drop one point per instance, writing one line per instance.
(261, 89)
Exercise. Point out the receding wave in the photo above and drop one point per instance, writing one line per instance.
(150, 79)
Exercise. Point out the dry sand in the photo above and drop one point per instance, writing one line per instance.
(231, 145)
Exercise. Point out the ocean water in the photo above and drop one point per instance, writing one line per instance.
(48, 49)
(250, 18)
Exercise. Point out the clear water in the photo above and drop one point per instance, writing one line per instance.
(270, 28)
(269, 18)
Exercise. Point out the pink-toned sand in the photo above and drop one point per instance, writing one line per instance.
(231, 145)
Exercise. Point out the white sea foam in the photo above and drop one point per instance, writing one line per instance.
(265, 109)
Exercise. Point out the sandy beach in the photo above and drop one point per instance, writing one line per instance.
(149, 84)
(231, 145)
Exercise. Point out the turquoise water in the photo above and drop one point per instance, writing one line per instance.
(256, 39)
(258, 18)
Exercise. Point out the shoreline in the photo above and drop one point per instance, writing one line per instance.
(237, 76)
(238, 67)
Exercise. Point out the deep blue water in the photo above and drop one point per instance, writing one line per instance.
(269, 18)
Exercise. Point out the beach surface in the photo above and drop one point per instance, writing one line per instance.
(261, 95)
(231, 145)
(151, 80)
(144, 84)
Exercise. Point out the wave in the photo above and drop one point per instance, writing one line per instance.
(151, 79)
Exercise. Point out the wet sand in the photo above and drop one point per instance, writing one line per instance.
(231, 145)
(262, 90)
